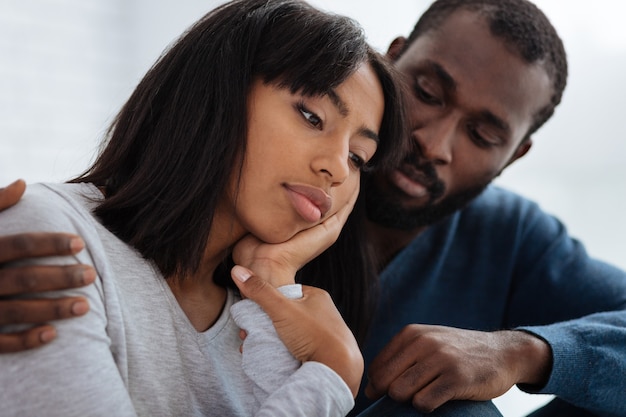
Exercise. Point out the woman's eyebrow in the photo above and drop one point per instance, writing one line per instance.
(370, 134)
(345, 111)
(338, 103)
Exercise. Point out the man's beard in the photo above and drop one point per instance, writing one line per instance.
(384, 204)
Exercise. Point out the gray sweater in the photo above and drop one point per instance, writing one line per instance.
(136, 353)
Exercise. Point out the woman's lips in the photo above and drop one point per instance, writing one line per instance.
(311, 203)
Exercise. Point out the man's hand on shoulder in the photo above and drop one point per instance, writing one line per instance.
(431, 365)
(20, 280)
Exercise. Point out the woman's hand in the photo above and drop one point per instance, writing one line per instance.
(278, 263)
(310, 327)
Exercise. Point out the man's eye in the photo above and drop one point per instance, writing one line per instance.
(310, 117)
(356, 161)
(426, 97)
(479, 139)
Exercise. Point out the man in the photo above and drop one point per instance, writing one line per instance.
(484, 76)
(458, 254)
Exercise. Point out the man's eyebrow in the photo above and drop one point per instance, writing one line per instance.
(444, 77)
(449, 84)
(345, 111)
(496, 121)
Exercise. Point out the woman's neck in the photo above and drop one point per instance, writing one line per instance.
(202, 301)
(198, 295)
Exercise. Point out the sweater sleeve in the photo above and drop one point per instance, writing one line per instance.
(282, 386)
(577, 304)
(589, 362)
(76, 375)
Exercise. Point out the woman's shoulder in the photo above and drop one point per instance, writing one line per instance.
(51, 208)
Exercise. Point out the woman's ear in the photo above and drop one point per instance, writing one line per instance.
(396, 47)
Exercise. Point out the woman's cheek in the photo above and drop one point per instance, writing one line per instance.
(347, 190)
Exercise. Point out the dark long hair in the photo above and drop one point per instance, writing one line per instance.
(171, 150)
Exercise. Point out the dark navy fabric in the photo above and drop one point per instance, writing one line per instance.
(503, 263)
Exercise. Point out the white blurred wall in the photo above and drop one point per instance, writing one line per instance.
(66, 66)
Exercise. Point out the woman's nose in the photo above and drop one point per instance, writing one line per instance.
(332, 160)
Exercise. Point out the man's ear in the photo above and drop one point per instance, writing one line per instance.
(521, 150)
(396, 47)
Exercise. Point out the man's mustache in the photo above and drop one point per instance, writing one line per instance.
(435, 186)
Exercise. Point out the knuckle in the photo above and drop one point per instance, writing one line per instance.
(428, 402)
(7, 281)
(25, 279)
(73, 275)
(398, 391)
(411, 377)
(78, 275)
(60, 310)
(60, 243)
(435, 397)
(11, 314)
(29, 339)
(21, 244)
(255, 285)
(316, 292)
(375, 384)
(8, 344)
(411, 330)
(423, 405)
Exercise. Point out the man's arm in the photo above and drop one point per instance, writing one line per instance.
(589, 362)
(32, 278)
(541, 283)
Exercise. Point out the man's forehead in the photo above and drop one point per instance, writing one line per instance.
(462, 30)
(488, 74)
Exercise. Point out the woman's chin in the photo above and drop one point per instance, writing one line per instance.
(280, 236)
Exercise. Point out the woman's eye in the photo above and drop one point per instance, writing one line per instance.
(310, 117)
(356, 161)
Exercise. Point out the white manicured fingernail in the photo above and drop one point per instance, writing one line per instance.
(241, 273)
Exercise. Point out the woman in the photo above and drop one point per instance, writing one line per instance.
(250, 132)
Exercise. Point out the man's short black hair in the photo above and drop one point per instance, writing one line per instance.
(521, 25)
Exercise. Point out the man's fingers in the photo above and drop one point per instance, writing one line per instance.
(433, 396)
(413, 380)
(42, 310)
(11, 194)
(40, 278)
(31, 245)
(391, 362)
(29, 339)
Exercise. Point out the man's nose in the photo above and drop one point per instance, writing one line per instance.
(436, 139)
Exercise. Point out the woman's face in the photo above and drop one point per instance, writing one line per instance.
(304, 154)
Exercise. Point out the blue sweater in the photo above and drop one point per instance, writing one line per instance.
(502, 263)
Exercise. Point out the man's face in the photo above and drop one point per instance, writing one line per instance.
(472, 101)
